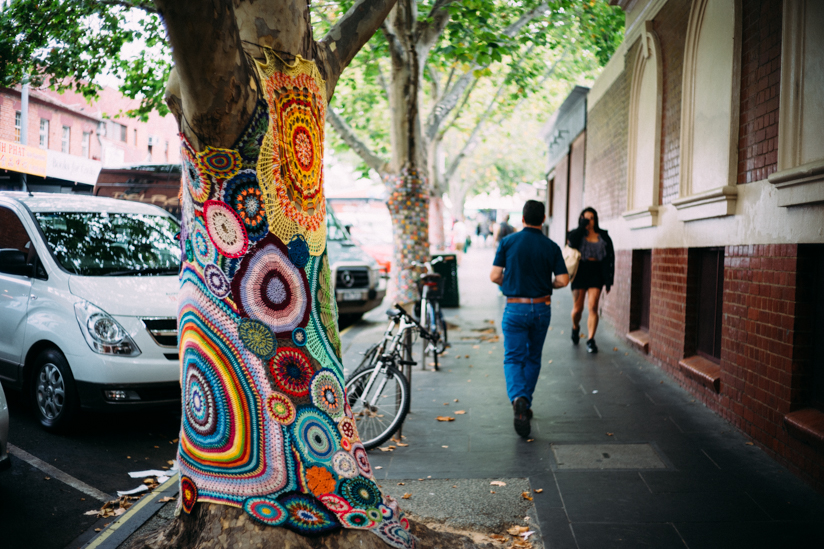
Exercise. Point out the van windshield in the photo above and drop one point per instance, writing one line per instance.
(112, 244)
(334, 230)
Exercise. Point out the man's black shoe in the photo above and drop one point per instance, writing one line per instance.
(576, 335)
(522, 416)
(591, 346)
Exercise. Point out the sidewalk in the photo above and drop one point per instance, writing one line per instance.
(673, 474)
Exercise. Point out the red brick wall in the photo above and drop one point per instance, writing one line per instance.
(668, 317)
(671, 27)
(760, 83)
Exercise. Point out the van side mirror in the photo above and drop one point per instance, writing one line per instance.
(13, 262)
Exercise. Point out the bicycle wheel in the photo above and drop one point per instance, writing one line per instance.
(380, 411)
(443, 340)
(368, 360)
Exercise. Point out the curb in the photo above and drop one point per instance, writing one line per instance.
(140, 513)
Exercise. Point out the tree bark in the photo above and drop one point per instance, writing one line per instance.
(222, 527)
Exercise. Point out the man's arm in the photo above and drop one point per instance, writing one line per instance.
(497, 275)
(560, 281)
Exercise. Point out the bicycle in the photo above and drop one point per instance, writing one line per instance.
(378, 394)
(430, 289)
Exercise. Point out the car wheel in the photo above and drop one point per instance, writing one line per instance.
(53, 393)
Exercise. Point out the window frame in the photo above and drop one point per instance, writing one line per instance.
(44, 133)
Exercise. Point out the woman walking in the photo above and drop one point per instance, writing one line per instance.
(596, 270)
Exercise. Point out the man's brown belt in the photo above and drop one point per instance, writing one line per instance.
(546, 299)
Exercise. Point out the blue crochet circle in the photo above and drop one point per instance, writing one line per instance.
(299, 337)
(298, 251)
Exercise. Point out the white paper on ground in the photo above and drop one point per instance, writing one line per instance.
(138, 490)
(148, 473)
(526, 535)
(162, 478)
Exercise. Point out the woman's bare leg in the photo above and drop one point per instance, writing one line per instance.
(577, 307)
(593, 298)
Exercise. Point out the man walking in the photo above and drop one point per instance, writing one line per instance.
(523, 267)
(504, 229)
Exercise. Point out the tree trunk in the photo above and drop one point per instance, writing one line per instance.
(222, 527)
(409, 208)
(437, 238)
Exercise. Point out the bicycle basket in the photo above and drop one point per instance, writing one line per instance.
(433, 282)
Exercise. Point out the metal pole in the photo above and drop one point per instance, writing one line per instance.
(24, 126)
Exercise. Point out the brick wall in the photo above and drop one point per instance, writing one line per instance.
(671, 27)
(760, 83)
(617, 302)
(605, 187)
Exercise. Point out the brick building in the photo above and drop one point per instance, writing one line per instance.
(705, 160)
(69, 140)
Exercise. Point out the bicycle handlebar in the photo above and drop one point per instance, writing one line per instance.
(424, 333)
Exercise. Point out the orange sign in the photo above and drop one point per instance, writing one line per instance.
(23, 159)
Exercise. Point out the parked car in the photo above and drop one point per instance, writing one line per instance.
(89, 318)
(359, 286)
(5, 462)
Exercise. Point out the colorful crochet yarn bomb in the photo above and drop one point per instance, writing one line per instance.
(358, 519)
(216, 281)
(265, 511)
(188, 494)
(269, 288)
(281, 408)
(306, 515)
(250, 140)
(327, 393)
(299, 337)
(198, 183)
(190, 252)
(202, 246)
(219, 163)
(320, 480)
(298, 251)
(314, 435)
(201, 387)
(347, 429)
(292, 372)
(362, 459)
(225, 229)
(243, 194)
(257, 337)
(361, 493)
(345, 465)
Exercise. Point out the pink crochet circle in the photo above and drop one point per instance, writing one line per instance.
(225, 229)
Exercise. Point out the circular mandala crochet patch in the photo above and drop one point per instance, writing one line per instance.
(306, 515)
(335, 503)
(361, 493)
(219, 163)
(393, 533)
(269, 288)
(266, 511)
(199, 404)
(345, 465)
(320, 480)
(199, 184)
(188, 494)
(362, 459)
(314, 434)
(327, 394)
(292, 372)
(243, 194)
(357, 518)
(202, 246)
(299, 337)
(257, 337)
(346, 426)
(298, 251)
(281, 408)
(216, 281)
(225, 229)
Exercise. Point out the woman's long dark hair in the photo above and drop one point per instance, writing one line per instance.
(594, 216)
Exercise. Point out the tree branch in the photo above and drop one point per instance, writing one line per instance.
(348, 35)
(148, 7)
(427, 32)
(348, 136)
(457, 113)
(396, 50)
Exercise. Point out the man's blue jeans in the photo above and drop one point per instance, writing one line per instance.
(524, 327)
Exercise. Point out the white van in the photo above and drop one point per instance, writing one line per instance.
(88, 303)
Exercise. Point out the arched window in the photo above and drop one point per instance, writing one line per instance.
(644, 133)
(709, 110)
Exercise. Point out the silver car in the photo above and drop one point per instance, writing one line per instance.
(5, 462)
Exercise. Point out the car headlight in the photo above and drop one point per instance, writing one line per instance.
(102, 332)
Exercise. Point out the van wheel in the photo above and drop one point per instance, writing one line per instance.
(53, 393)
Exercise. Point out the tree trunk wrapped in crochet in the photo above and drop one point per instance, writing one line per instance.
(266, 423)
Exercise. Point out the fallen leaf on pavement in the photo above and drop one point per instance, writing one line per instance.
(748, 443)
(92, 512)
(499, 537)
(517, 530)
(420, 479)
(526, 496)
(456, 400)
(530, 440)
(444, 446)
(492, 491)
(460, 412)
(379, 467)
(550, 362)
(46, 478)
(497, 483)
(97, 529)
(402, 444)
(476, 346)
(538, 490)
(442, 418)
(615, 348)
(385, 449)
(609, 434)
(406, 496)
(166, 499)
(446, 404)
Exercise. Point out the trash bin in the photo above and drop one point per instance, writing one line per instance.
(448, 269)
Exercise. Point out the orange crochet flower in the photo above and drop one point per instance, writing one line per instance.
(320, 480)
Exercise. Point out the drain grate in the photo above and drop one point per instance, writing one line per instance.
(606, 456)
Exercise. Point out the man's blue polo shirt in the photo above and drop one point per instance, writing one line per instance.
(529, 258)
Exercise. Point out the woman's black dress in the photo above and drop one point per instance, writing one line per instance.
(595, 273)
